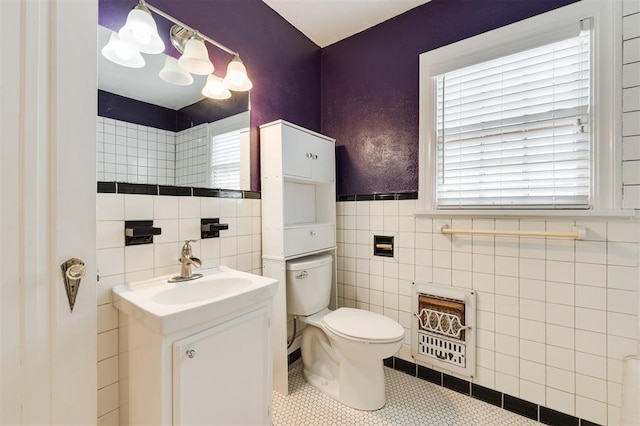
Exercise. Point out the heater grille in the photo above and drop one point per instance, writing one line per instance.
(444, 328)
(442, 349)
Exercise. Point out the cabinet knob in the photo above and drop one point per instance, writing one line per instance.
(312, 233)
(315, 156)
(191, 353)
(309, 155)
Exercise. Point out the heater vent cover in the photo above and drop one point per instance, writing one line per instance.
(444, 328)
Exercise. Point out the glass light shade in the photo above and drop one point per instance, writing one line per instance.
(215, 88)
(121, 53)
(236, 78)
(172, 73)
(195, 58)
(140, 31)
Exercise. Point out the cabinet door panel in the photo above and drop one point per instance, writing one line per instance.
(323, 161)
(308, 238)
(296, 153)
(227, 381)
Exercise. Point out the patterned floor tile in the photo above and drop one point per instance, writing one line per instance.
(410, 401)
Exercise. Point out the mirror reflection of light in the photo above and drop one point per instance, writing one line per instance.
(121, 53)
(215, 88)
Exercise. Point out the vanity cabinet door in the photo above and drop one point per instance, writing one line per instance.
(222, 375)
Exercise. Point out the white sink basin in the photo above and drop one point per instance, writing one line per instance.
(210, 289)
(167, 307)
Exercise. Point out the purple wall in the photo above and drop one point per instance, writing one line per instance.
(126, 109)
(283, 64)
(370, 87)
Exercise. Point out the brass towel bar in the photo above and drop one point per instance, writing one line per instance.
(579, 233)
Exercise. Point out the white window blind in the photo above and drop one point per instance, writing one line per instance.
(225, 160)
(515, 131)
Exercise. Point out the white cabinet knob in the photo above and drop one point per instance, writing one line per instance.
(312, 233)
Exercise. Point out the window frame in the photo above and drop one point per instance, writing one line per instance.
(606, 182)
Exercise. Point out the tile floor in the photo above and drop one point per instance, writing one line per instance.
(410, 401)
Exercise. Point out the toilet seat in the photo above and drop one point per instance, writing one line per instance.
(363, 326)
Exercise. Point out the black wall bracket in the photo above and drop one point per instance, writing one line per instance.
(139, 232)
(210, 228)
(382, 246)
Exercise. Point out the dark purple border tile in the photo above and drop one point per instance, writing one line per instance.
(521, 407)
(556, 418)
(456, 384)
(487, 395)
(430, 375)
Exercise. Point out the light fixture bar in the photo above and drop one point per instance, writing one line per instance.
(188, 27)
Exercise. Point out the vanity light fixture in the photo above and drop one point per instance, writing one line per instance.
(195, 58)
(236, 78)
(140, 31)
(140, 35)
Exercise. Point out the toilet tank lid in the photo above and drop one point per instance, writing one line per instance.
(308, 262)
(363, 324)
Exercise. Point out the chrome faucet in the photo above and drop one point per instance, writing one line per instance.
(186, 260)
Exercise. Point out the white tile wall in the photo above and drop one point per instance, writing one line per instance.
(134, 153)
(555, 318)
(179, 217)
(631, 104)
(192, 167)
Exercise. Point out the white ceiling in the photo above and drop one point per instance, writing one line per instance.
(328, 21)
(323, 21)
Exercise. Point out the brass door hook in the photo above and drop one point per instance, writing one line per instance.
(73, 270)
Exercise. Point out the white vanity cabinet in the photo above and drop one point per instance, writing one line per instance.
(217, 373)
(196, 362)
(298, 216)
(219, 378)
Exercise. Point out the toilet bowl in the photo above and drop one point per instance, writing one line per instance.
(342, 350)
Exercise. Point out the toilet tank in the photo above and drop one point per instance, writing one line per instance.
(309, 284)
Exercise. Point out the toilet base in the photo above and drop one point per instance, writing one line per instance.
(348, 370)
(360, 386)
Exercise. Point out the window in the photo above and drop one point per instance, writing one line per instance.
(517, 118)
(225, 160)
(514, 131)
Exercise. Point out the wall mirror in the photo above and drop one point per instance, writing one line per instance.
(153, 132)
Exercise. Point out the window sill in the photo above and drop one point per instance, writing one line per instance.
(618, 214)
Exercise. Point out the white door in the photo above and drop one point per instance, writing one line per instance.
(47, 215)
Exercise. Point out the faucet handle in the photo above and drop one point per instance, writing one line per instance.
(187, 244)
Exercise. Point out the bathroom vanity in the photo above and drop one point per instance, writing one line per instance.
(197, 352)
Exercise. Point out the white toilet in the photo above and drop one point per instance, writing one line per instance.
(342, 350)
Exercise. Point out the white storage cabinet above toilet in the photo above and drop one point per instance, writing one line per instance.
(298, 215)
